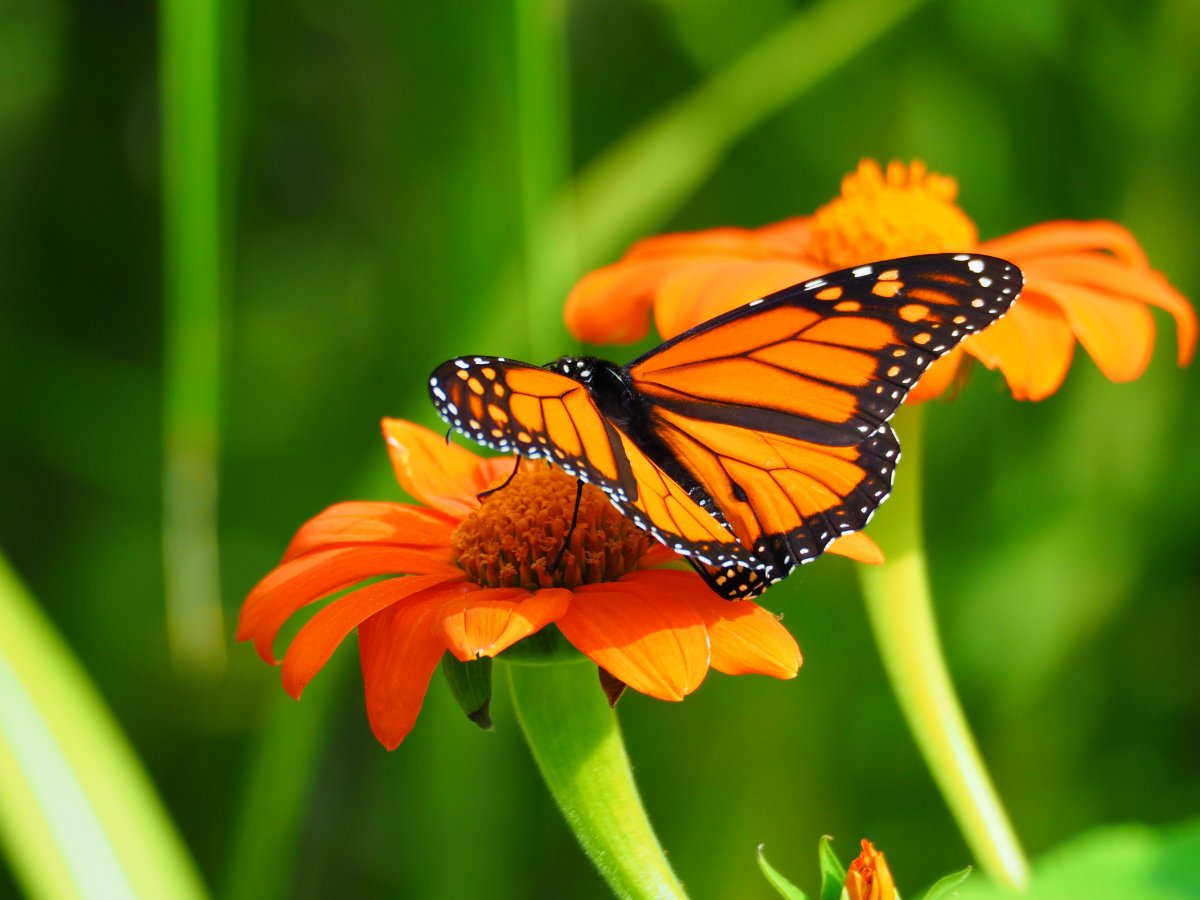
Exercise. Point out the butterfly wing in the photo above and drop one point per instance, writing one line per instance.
(515, 407)
(777, 410)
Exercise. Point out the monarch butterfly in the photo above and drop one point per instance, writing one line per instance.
(752, 441)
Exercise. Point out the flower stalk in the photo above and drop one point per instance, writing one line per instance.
(900, 609)
(577, 744)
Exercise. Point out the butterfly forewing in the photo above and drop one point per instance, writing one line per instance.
(828, 360)
(752, 441)
(515, 407)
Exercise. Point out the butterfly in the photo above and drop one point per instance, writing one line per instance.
(752, 441)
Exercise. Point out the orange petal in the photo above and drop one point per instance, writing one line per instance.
(654, 642)
(1032, 346)
(399, 652)
(1050, 238)
(490, 621)
(730, 242)
(706, 288)
(1119, 334)
(364, 522)
(612, 305)
(295, 584)
(938, 378)
(445, 476)
(789, 238)
(321, 635)
(658, 554)
(858, 547)
(1112, 277)
(743, 637)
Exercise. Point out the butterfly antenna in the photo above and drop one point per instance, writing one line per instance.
(500, 487)
(571, 530)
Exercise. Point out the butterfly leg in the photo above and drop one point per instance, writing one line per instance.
(571, 530)
(507, 481)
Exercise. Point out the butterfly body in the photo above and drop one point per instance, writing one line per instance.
(752, 441)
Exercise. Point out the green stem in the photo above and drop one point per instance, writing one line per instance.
(189, 38)
(544, 164)
(79, 817)
(645, 177)
(900, 608)
(272, 803)
(577, 743)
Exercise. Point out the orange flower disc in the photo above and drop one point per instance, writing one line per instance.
(878, 216)
(516, 533)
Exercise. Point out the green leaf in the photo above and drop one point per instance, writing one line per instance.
(945, 886)
(833, 873)
(471, 685)
(785, 888)
(1123, 862)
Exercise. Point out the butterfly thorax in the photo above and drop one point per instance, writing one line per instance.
(615, 395)
(607, 383)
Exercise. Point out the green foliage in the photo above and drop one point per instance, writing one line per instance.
(833, 873)
(947, 886)
(785, 888)
(1124, 862)
(833, 877)
(384, 217)
(471, 685)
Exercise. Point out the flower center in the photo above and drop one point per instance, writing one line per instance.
(878, 216)
(514, 536)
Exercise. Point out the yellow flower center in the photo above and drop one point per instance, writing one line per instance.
(880, 216)
(514, 536)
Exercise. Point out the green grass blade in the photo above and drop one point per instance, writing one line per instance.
(78, 814)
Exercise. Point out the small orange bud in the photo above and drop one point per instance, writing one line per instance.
(868, 877)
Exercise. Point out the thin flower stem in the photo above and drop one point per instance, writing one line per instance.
(544, 164)
(900, 608)
(577, 743)
(190, 41)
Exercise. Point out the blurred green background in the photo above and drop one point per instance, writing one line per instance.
(389, 181)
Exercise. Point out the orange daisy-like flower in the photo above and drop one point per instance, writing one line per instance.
(868, 877)
(474, 577)
(1084, 281)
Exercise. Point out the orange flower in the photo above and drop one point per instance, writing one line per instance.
(475, 578)
(868, 877)
(1085, 281)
